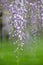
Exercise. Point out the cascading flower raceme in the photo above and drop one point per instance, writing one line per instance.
(18, 11)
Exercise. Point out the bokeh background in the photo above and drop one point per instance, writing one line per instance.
(32, 51)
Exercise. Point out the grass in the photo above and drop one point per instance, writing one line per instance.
(31, 55)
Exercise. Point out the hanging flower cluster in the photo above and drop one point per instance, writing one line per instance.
(18, 16)
(17, 19)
